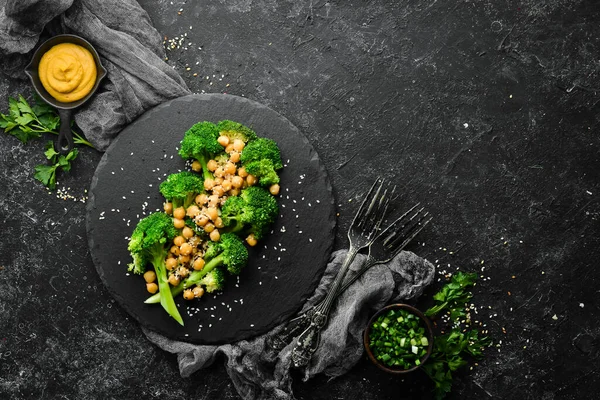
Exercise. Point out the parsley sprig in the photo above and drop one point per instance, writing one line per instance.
(47, 173)
(27, 122)
(453, 349)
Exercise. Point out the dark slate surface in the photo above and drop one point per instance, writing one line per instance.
(283, 270)
(487, 112)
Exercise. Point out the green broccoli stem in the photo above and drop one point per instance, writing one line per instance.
(166, 297)
(205, 172)
(190, 281)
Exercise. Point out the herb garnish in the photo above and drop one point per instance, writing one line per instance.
(26, 122)
(451, 350)
(47, 173)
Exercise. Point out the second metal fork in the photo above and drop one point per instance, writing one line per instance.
(364, 229)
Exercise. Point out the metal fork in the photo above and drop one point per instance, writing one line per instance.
(383, 249)
(364, 229)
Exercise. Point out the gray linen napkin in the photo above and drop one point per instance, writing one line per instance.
(130, 48)
(259, 372)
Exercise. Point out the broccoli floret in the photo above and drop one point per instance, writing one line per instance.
(229, 251)
(262, 159)
(262, 148)
(264, 170)
(253, 211)
(150, 242)
(213, 281)
(182, 188)
(200, 143)
(234, 130)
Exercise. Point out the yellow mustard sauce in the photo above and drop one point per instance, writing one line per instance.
(68, 72)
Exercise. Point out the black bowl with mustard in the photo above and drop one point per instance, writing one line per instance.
(65, 72)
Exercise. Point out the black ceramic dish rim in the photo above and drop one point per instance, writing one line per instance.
(45, 46)
(428, 329)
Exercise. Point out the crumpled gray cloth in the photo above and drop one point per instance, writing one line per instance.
(259, 372)
(130, 49)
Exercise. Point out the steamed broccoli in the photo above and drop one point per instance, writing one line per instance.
(213, 281)
(262, 159)
(229, 251)
(182, 188)
(253, 211)
(264, 170)
(200, 143)
(150, 242)
(235, 130)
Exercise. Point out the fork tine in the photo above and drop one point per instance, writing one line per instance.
(368, 202)
(393, 229)
(366, 213)
(414, 227)
(374, 220)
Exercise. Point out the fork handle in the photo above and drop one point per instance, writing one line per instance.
(291, 330)
(299, 324)
(309, 339)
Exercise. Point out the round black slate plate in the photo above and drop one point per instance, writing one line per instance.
(284, 268)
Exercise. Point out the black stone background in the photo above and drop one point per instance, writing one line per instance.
(486, 111)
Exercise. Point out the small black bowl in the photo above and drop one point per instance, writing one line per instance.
(64, 109)
(428, 332)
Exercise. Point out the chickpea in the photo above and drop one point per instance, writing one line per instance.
(201, 199)
(174, 280)
(178, 223)
(235, 192)
(237, 181)
(251, 179)
(242, 172)
(223, 140)
(212, 165)
(208, 228)
(234, 156)
(238, 145)
(149, 276)
(226, 185)
(212, 213)
(198, 291)
(215, 235)
(220, 172)
(230, 168)
(168, 207)
(152, 287)
(274, 189)
(219, 222)
(192, 211)
(209, 183)
(175, 250)
(201, 220)
(229, 148)
(185, 249)
(187, 232)
(184, 259)
(196, 166)
(218, 181)
(218, 190)
(171, 263)
(183, 272)
(251, 240)
(188, 294)
(179, 240)
(179, 213)
(213, 200)
(198, 264)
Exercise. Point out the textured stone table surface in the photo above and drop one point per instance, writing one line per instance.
(487, 112)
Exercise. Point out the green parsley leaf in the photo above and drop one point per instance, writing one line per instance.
(46, 174)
